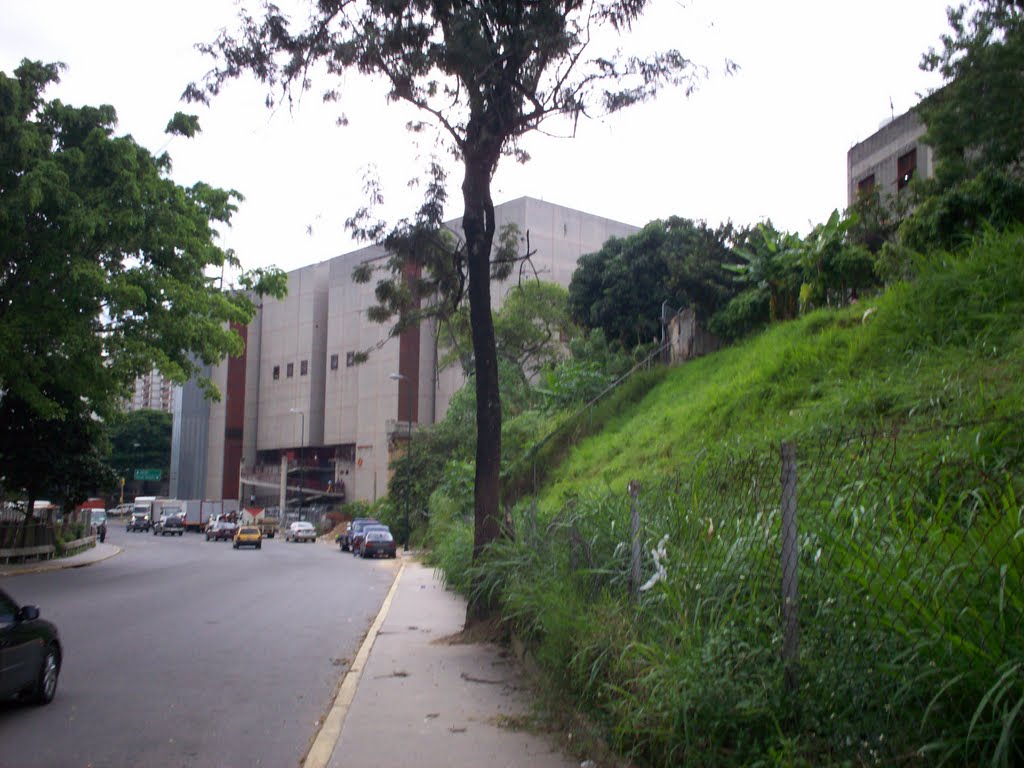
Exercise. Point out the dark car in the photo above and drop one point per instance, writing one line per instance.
(222, 530)
(30, 653)
(355, 533)
(139, 521)
(377, 541)
(169, 526)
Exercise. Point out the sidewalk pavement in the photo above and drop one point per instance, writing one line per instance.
(85, 557)
(422, 698)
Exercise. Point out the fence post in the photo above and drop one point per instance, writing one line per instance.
(634, 539)
(790, 584)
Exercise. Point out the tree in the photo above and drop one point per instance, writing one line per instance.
(140, 439)
(679, 262)
(485, 74)
(103, 274)
(528, 329)
(976, 120)
(975, 124)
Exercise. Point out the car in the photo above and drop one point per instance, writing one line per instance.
(300, 530)
(139, 521)
(248, 536)
(30, 653)
(170, 525)
(355, 533)
(222, 530)
(360, 534)
(378, 542)
(121, 510)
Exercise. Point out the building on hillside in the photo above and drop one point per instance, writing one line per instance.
(152, 391)
(889, 158)
(299, 416)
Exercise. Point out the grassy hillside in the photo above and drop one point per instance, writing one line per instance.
(907, 413)
(946, 348)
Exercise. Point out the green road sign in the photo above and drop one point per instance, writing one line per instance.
(148, 474)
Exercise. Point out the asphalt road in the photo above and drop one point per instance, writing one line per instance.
(187, 653)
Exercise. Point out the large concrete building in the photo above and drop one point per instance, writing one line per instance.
(298, 409)
(889, 158)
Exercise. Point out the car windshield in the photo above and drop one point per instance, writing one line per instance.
(378, 536)
(249, 530)
(302, 526)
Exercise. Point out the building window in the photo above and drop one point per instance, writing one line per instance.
(277, 372)
(290, 370)
(303, 367)
(350, 359)
(334, 362)
(866, 186)
(905, 167)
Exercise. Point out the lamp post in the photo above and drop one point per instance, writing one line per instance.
(408, 491)
(302, 451)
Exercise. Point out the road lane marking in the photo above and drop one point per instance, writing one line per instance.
(319, 754)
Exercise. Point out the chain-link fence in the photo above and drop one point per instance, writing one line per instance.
(869, 587)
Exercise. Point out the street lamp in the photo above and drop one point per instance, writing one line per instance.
(408, 453)
(302, 451)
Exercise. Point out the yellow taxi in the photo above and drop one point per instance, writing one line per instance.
(248, 536)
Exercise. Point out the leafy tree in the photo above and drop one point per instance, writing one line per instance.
(975, 123)
(622, 288)
(140, 439)
(976, 120)
(103, 264)
(529, 329)
(485, 74)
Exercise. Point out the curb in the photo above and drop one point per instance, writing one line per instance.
(58, 564)
(319, 754)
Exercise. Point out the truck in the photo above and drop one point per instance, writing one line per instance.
(259, 517)
(153, 507)
(200, 513)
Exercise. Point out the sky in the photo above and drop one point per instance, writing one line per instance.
(815, 77)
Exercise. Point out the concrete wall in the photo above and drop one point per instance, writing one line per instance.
(877, 155)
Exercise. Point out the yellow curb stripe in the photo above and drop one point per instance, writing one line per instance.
(323, 746)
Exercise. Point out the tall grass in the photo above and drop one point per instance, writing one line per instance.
(911, 548)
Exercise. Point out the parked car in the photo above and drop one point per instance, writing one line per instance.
(300, 530)
(360, 533)
(222, 530)
(139, 521)
(378, 542)
(169, 526)
(248, 536)
(30, 653)
(356, 528)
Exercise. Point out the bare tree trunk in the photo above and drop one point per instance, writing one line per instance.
(478, 225)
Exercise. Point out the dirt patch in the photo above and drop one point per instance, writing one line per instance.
(489, 631)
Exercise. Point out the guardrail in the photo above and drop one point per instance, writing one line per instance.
(44, 551)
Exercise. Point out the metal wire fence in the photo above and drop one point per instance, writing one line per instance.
(881, 576)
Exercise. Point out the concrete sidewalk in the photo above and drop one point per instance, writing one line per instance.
(85, 557)
(420, 698)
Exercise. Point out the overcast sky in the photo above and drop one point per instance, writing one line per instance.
(815, 77)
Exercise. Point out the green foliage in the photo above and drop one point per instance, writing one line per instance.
(948, 216)
(139, 439)
(747, 312)
(976, 121)
(103, 264)
(926, 661)
(622, 288)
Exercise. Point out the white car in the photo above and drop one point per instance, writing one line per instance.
(300, 530)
